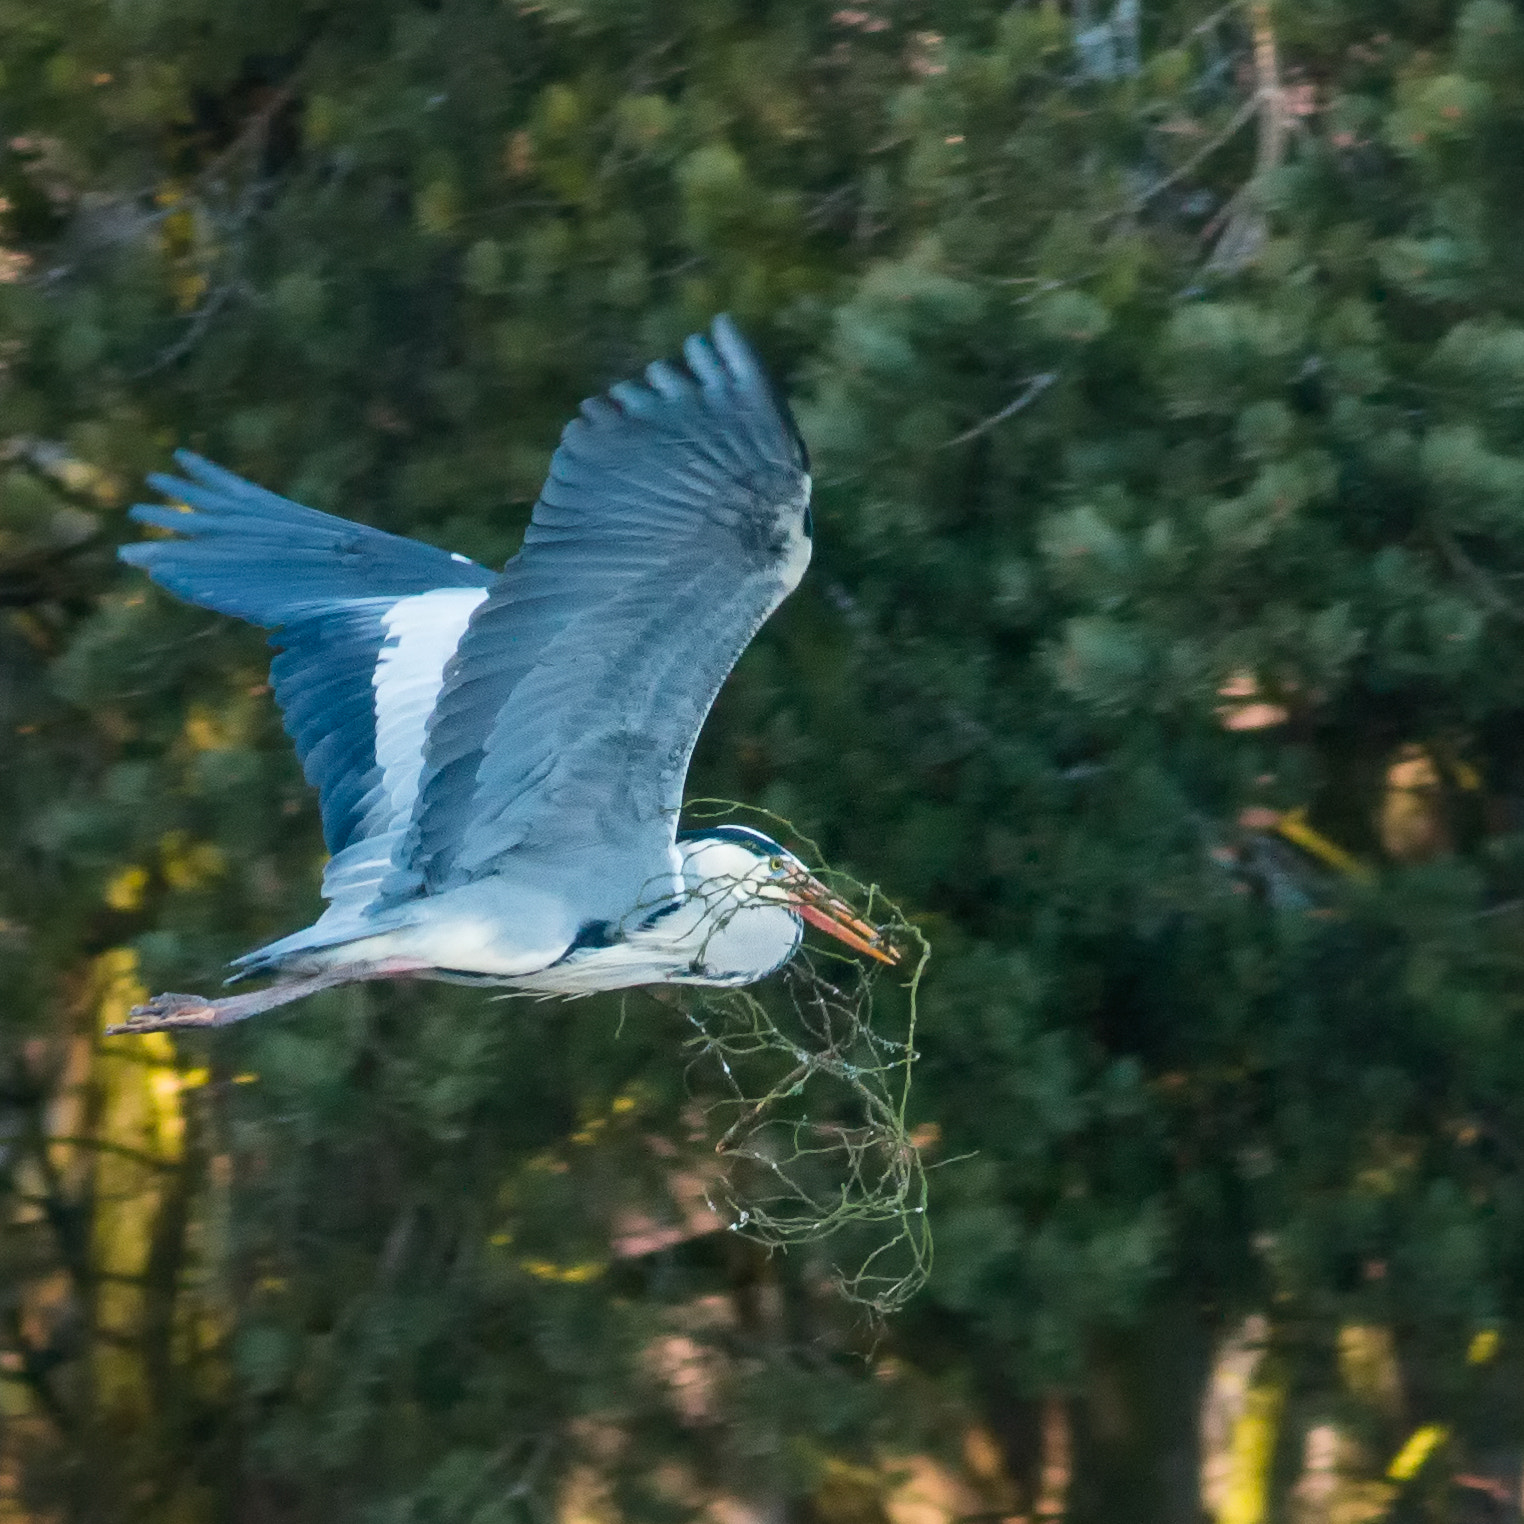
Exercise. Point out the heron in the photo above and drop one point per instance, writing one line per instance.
(500, 757)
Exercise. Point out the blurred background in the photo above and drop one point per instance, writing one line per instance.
(1163, 655)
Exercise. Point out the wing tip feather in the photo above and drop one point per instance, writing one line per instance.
(720, 367)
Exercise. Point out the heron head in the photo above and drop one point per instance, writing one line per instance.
(751, 863)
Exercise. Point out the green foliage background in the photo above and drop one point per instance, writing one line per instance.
(1142, 385)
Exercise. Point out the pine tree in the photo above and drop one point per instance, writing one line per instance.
(1162, 367)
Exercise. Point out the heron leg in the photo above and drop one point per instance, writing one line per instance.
(168, 1011)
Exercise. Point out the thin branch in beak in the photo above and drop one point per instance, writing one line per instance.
(832, 915)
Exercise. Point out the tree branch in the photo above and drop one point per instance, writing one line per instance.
(1034, 389)
(1245, 227)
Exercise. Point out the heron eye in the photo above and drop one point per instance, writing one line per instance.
(776, 864)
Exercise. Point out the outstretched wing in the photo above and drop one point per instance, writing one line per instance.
(365, 622)
(675, 519)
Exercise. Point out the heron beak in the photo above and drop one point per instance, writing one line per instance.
(836, 918)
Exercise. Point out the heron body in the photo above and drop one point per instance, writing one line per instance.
(500, 756)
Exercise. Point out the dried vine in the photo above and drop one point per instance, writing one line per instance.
(812, 1098)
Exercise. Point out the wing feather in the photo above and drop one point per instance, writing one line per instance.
(331, 590)
(673, 522)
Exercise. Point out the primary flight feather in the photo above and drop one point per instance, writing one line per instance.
(500, 757)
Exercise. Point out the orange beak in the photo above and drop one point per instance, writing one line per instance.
(836, 918)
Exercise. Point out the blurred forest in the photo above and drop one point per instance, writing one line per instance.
(1163, 654)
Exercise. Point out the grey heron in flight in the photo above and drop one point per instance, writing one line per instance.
(500, 756)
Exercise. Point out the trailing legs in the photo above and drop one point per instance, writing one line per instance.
(168, 1011)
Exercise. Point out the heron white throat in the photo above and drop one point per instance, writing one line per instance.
(500, 756)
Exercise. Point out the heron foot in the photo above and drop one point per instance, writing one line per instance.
(166, 1011)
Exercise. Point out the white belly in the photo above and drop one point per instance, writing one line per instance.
(481, 928)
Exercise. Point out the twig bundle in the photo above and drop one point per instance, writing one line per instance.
(812, 1100)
